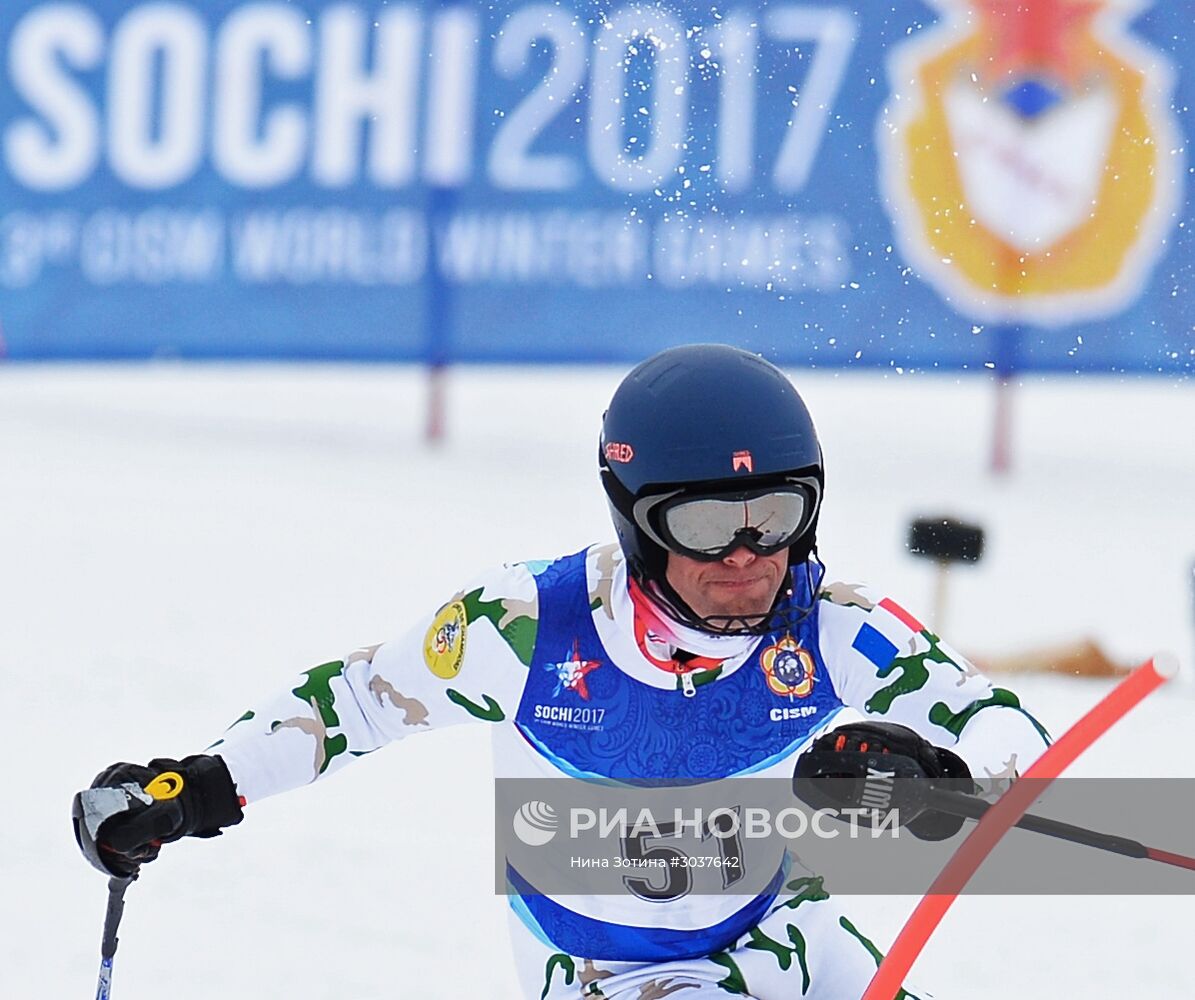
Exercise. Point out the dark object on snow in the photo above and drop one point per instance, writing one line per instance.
(946, 540)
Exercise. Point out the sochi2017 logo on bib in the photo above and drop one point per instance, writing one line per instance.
(1028, 156)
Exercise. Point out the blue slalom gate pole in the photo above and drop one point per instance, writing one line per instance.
(437, 313)
(1007, 347)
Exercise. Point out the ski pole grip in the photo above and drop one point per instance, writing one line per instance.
(116, 891)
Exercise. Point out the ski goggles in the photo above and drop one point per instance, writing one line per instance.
(710, 527)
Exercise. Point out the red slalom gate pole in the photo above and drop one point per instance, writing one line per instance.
(997, 821)
(1167, 858)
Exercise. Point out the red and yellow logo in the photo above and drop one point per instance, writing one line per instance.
(789, 668)
(444, 643)
(1028, 156)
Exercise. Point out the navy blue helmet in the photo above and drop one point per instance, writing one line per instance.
(715, 423)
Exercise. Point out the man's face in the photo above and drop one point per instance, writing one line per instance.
(741, 585)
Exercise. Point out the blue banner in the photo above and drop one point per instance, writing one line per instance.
(962, 184)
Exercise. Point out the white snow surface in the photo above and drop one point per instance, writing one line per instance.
(176, 541)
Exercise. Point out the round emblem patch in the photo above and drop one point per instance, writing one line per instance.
(789, 668)
(444, 644)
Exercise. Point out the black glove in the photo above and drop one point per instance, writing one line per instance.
(840, 767)
(119, 825)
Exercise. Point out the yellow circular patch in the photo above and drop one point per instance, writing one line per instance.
(444, 644)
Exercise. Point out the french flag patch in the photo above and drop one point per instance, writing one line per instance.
(876, 647)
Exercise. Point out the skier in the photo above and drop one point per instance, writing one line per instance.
(706, 644)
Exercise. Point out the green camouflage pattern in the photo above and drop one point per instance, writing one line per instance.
(491, 712)
(516, 621)
(317, 692)
(244, 718)
(912, 671)
(558, 961)
(733, 981)
(874, 952)
(941, 715)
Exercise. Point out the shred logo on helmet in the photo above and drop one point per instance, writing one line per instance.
(617, 451)
(715, 423)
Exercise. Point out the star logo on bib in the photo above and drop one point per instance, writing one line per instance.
(571, 672)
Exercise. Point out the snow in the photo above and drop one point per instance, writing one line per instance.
(176, 541)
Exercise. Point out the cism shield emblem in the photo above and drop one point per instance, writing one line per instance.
(789, 668)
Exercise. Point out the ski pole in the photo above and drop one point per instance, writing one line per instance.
(90, 810)
(116, 891)
(973, 807)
